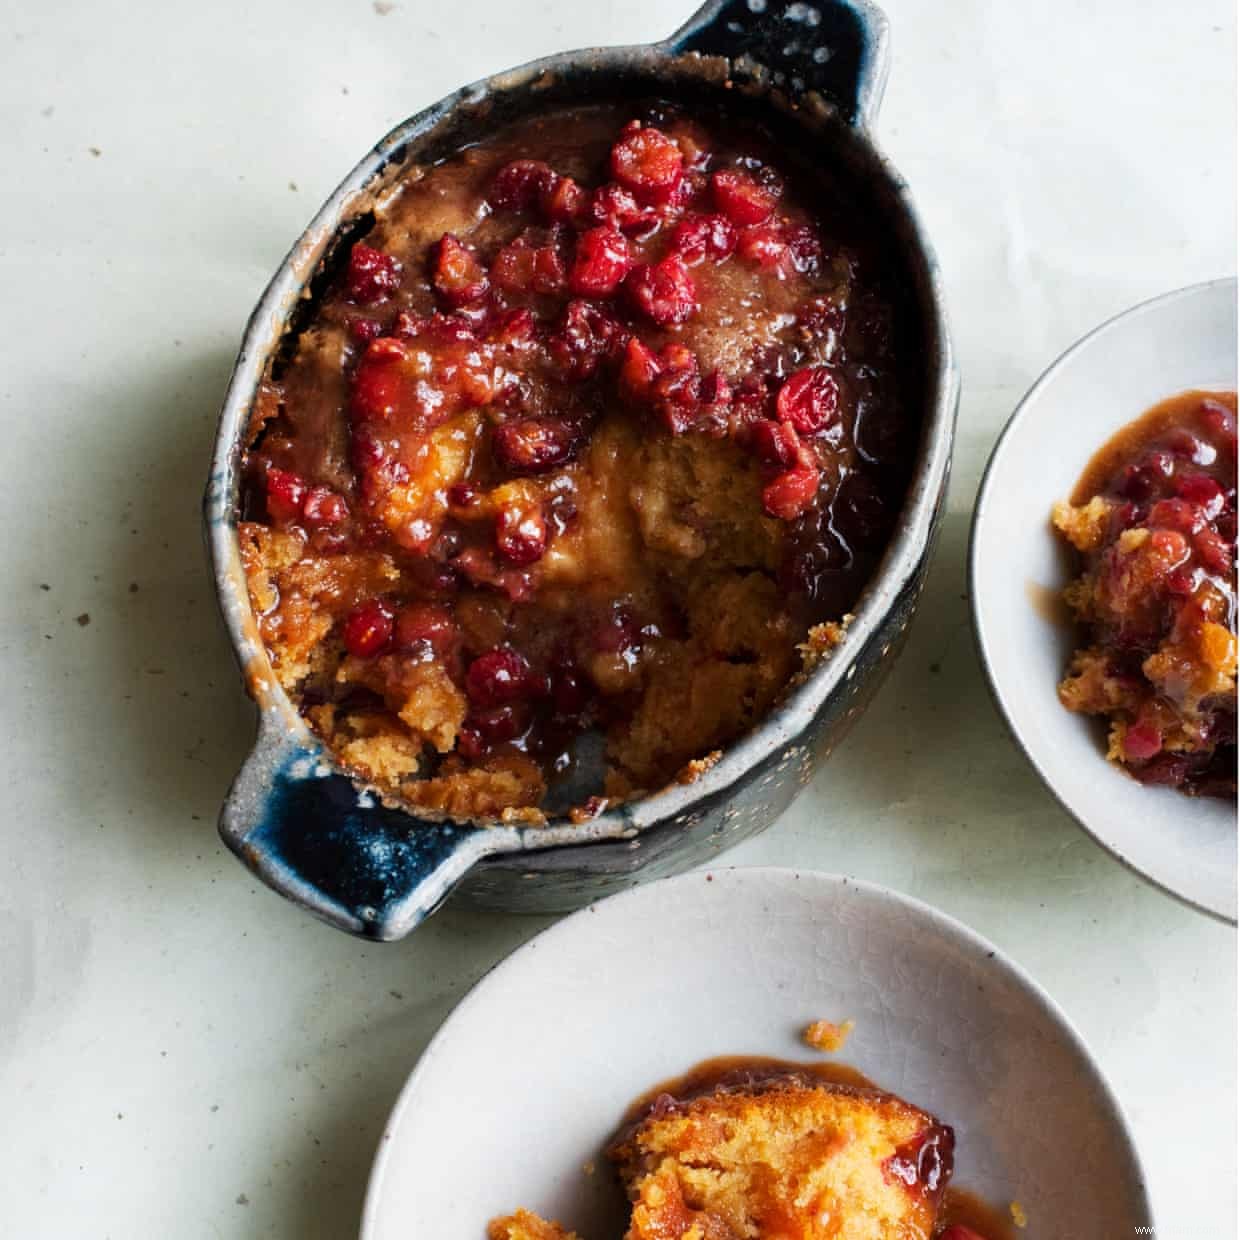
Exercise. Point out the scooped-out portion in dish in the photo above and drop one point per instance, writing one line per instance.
(599, 429)
(1154, 519)
(744, 1148)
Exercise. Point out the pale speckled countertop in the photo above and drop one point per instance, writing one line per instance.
(183, 1055)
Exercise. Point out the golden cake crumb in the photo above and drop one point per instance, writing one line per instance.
(824, 1035)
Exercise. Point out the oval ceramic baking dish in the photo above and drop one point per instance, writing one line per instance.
(811, 72)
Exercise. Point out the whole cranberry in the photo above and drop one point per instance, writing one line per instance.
(925, 1161)
(715, 401)
(529, 264)
(742, 198)
(809, 399)
(563, 200)
(699, 237)
(639, 369)
(1177, 514)
(1202, 490)
(521, 535)
(286, 493)
(648, 163)
(792, 492)
(364, 330)
(457, 275)
(602, 261)
(368, 629)
(618, 208)
(520, 184)
(373, 276)
(765, 246)
(534, 445)
(464, 495)
(664, 291)
(586, 336)
(1214, 551)
(323, 508)
(501, 723)
(775, 443)
(426, 624)
(499, 676)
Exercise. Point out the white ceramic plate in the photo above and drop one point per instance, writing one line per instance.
(529, 1076)
(1186, 339)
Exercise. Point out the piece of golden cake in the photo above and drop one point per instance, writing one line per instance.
(526, 1226)
(786, 1158)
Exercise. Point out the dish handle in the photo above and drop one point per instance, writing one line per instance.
(837, 48)
(315, 836)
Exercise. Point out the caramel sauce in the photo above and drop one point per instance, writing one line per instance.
(746, 1072)
(1130, 441)
(1048, 602)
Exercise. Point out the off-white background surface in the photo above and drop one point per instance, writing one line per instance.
(183, 1056)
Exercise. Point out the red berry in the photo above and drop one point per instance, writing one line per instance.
(775, 443)
(368, 629)
(499, 676)
(364, 330)
(925, 1161)
(639, 369)
(521, 535)
(1201, 489)
(664, 291)
(617, 207)
(323, 507)
(534, 445)
(286, 493)
(715, 398)
(699, 237)
(741, 198)
(429, 624)
(457, 275)
(1141, 742)
(1176, 514)
(649, 163)
(501, 723)
(586, 336)
(809, 399)
(1214, 552)
(373, 276)
(520, 184)
(564, 200)
(602, 260)
(791, 493)
(676, 388)
(765, 246)
(525, 265)
(464, 495)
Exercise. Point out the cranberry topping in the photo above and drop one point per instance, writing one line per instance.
(602, 261)
(809, 400)
(618, 208)
(648, 163)
(373, 276)
(741, 198)
(521, 184)
(699, 237)
(368, 629)
(457, 275)
(924, 1163)
(664, 291)
(534, 445)
(286, 493)
(775, 443)
(792, 492)
(521, 535)
(323, 508)
(498, 677)
(426, 624)
(530, 264)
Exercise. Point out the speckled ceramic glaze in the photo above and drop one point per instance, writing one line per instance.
(738, 964)
(813, 73)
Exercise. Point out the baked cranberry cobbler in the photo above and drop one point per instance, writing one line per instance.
(599, 428)
(1154, 517)
(778, 1153)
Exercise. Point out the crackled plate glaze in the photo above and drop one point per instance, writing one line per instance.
(519, 1091)
(1186, 339)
